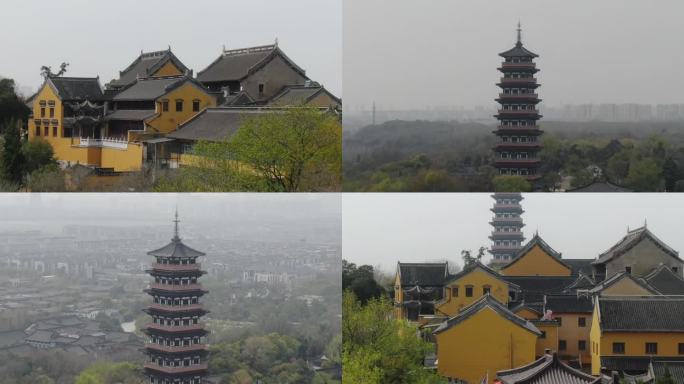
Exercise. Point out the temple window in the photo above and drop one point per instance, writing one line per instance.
(37, 131)
(179, 105)
(46, 131)
(261, 89)
(454, 291)
(486, 290)
(42, 111)
(54, 131)
(469, 291)
(195, 105)
(651, 348)
(165, 105)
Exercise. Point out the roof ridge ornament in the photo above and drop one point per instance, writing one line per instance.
(519, 42)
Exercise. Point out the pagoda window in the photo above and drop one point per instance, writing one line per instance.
(504, 138)
(179, 105)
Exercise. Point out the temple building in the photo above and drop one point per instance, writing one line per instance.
(507, 237)
(517, 152)
(417, 287)
(127, 127)
(176, 345)
(548, 369)
(628, 333)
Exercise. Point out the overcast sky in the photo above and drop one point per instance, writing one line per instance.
(305, 215)
(381, 229)
(406, 54)
(104, 37)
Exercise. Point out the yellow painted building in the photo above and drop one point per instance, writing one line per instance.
(623, 284)
(636, 328)
(537, 258)
(548, 340)
(482, 339)
(416, 287)
(470, 285)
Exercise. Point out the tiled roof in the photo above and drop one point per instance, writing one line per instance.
(149, 88)
(631, 239)
(427, 274)
(535, 287)
(299, 95)
(600, 186)
(134, 115)
(636, 313)
(236, 64)
(546, 370)
(578, 266)
(487, 301)
(666, 281)
(175, 248)
(77, 88)
(616, 277)
(145, 65)
(518, 51)
(635, 363)
(215, 124)
(569, 304)
(582, 282)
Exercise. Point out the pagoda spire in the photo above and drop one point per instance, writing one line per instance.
(519, 42)
(175, 227)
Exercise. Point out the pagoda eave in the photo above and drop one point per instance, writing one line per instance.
(196, 368)
(183, 350)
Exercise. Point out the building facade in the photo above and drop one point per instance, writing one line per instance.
(176, 345)
(517, 151)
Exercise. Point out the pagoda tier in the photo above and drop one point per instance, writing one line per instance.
(516, 152)
(507, 223)
(176, 347)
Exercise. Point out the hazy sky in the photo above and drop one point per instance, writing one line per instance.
(104, 37)
(244, 212)
(405, 54)
(381, 229)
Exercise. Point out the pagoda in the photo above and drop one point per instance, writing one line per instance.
(517, 150)
(176, 346)
(507, 237)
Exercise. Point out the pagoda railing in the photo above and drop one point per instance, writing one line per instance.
(173, 349)
(519, 95)
(518, 112)
(506, 206)
(176, 287)
(172, 370)
(517, 145)
(519, 127)
(109, 142)
(502, 233)
(176, 267)
(178, 308)
(518, 161)
(506, 219)
(175, 328)
(518, 80)
(528, 64)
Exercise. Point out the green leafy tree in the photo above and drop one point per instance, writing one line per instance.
(581, 178)
(47, 179)
(506, 183)
(111, 373)
(37, 154)
(378, 348)
(618, 166)
(12, 107)
(299, 150)
(12, 156)
(645, 175)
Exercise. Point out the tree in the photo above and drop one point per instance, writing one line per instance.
(12, 107)
(506, 183)
(299, 150)
(468, 259)
(645, 175)
(671, 173)
(361, 281)
(378, 348)
(618, 166)
(110, 373)
(37, 154)
(47, 179)
(12, 156)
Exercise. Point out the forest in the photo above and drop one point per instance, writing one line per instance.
(452, 156)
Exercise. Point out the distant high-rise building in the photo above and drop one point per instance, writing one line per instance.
(518, 132)
(507, 237)
(176, 347)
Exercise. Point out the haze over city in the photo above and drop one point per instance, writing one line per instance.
(381, 229)
(99, 38)
(445, 53)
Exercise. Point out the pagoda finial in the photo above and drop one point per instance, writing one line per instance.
(519, 34)
(645, 223)
(175, 228)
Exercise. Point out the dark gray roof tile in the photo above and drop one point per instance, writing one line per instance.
(636, 313)
(78, 88)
